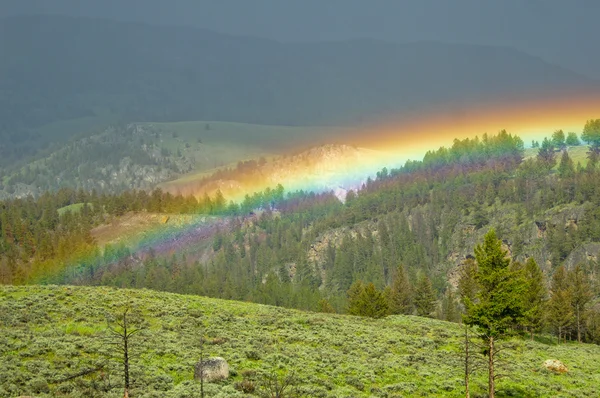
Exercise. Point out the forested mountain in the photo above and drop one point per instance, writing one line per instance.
(411, 233)
(235, 157)
(92, 71)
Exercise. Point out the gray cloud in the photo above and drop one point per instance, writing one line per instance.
(562, 32)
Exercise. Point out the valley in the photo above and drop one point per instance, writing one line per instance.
(197, 213)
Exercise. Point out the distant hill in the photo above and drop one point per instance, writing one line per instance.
(325, 168)
(95, 72)
(52, 334)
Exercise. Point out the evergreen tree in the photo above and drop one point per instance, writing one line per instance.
(560, 312)
(572, 139)
(534, 297)
(498, 304)
(400, 295)
(546, 157)
(467, 282)
(354, 295)
(366, 300)
(424, 298)
(558, 139)
(566, 168)
(591, 135)
(450, 311)
(373, 302)
(581, 296)
(325, 307)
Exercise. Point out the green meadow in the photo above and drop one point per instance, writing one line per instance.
(50, 334)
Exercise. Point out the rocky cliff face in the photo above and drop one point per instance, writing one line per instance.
(465, 236)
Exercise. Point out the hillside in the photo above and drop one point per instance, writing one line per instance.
(57, 73)
(50, 333)
(325, 168)
(142, 155)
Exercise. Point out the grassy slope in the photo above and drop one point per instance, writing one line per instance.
(74, 208)
(233, 142)
(51, 332)
(576, 153)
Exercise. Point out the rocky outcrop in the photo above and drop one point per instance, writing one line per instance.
(583, 254)
(556, 366)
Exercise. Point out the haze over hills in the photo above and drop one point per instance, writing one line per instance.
(561, 32)
(62, 68)
(141, 155)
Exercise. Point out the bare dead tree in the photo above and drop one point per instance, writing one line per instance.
(122, 333)
(200, 368)
(471, 363)
(467, 371)
(201, 364)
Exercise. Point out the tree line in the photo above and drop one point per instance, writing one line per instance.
(309, 251)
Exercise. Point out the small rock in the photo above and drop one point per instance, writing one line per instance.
(212, 369)
(555, 365)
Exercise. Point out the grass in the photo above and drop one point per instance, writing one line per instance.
(74, 208)
(233, 142)
(577, 153)
(48, 333)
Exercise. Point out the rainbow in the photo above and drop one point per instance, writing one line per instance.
(533, 119)
(392, 142)
(340, 168)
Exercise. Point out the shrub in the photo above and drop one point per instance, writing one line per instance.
(39, 386)
(246, 386)
(253, 355)
(219, 340)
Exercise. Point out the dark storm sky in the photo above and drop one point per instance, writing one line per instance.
(565, 32)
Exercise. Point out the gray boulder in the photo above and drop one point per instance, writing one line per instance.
(211, 369)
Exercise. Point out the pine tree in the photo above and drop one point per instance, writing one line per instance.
(354, 294)
(424, 299)
(498, 304)
(400, 295)
(566, 168)
(560, 312)
(373, 302)
(366, 300)
(534, 297)
(449, 309)
(545, 156)
(467, 282)
(591, 134)
(581, 296)
(558, 139)
(572, 139)
(325, 307)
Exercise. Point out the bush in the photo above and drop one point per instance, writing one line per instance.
(246, 386)
(39, 386)
(253, 355)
